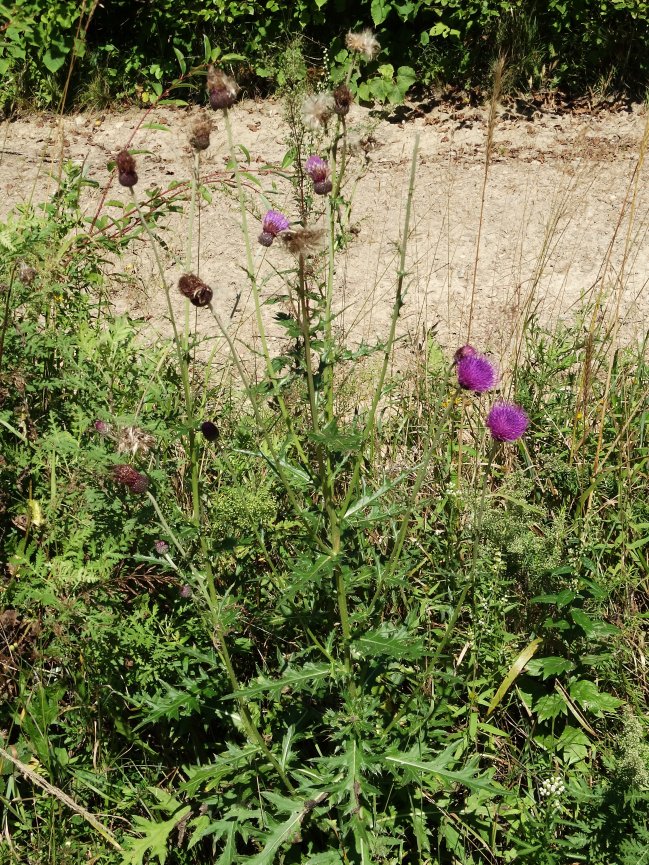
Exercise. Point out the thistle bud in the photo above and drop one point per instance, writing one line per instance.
(127, 174)
(210, 430)
(195, 290)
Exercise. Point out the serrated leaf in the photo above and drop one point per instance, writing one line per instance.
(154, 840)
(550, 666)
(587, 695)
(550, 706)
(466, 776)
(293, 679)
(281, 834)
(390, 641)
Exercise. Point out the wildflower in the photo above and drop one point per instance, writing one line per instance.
(131, 478)
(464, 351)
(364, 43)
(303, 240)
(161, 547)
(186, 591)
(209, 430)
(127, 175)
(222, 89)
(476, 372)
(507, 421)
(199, 137)
(132, 439)
(342, 100)
(102, 427)
(317, 109)
(318, 171)
(195, 290)
(274, 223)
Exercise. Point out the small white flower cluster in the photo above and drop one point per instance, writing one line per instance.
(552, 789)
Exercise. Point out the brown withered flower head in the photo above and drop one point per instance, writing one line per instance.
(221, 89)
(303, 240)
(126, 172)
(199, 133)
(133, 440)
(316, 110)
(195, 290)
(131, 478)
(364, 43)
(342, 100)
(26, 273)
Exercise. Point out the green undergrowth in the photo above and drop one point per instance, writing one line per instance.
(341, 624)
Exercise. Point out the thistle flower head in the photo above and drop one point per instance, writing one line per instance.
(507, 421)
(273, 224)
(464, 351)
(222, 90)
(126, 173)
(199, 133)
(161, 547)
(342, 100)
(316, 110)
(133, 440)
(318, 171)
(303, 240)
(364, 43)
(210, 430)
(26, 274)
(195, 290)
(102, 427)
(476, 372)
(129, 477)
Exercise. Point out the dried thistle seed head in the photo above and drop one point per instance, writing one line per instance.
(129, 477)
(133, 440)
(126, 172)
(316, 110)
(195, 290)
(364, 43)
(222, 90)
(26, 274)
(199, 133)
(342, 100)
(303, 240)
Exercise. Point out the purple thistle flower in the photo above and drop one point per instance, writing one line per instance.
(274, 223)
(476, 372)
(161, 547)
(316, 168)
(507, 421)
(102, 427)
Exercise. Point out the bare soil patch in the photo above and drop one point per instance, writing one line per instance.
(556, 187)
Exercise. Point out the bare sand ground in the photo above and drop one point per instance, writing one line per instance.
(551, 234)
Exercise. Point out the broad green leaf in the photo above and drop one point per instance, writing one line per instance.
(379, 11)
(587, 695)
(514, 672)
(550, 666)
